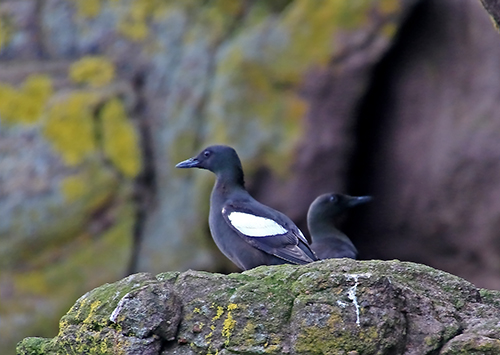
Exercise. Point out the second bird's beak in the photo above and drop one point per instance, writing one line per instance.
(358, 200)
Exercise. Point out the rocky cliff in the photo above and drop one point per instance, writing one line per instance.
(100, 98)
(328, 307)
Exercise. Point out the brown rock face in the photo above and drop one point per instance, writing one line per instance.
(433, 155)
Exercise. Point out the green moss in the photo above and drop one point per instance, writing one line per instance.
(25, 105)
(69, 126)
(95, 71)
(490, 296)
(336, 337)
(31, 346)
(170, 276)
(473, 345)
(120, 140)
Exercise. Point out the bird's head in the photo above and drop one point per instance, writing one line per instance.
(331, 205)
(222, 160)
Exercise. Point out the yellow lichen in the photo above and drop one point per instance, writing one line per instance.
(133, 29)
(220, 312)
(6, 30)
(73, 188)
(25, 105)
(88, 8)
(196, 310)
(134, 25)
(229, 322)
(69, 127)
(96, 71)
(209, 335)
(93, 307)
(120, 140)
(104, 347)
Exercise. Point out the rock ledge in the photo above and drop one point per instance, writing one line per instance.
(328, 307)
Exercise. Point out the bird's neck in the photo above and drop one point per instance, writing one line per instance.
(229, 181)
(323, 228)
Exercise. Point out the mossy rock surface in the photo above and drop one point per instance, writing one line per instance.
(328, 307)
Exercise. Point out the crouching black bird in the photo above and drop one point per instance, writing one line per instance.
(327, 241)
(247, 232)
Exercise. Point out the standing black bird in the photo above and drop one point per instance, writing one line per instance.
(247, 232)
(327, 241)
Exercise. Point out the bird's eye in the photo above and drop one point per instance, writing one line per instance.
(206, 153)
(332, 198)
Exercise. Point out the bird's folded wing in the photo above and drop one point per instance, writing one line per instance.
(266, 234)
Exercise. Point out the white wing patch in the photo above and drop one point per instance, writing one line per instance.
(255, 226)
(302, 237)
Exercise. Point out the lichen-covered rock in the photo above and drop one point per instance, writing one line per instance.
(131, 315)
(67, 206)
(329, 307)
(152, 309)
(89, 88)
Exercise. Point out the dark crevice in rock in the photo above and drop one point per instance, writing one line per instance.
(444, 341)
(371, 124)
(145, 183)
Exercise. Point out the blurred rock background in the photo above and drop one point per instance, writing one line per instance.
(99, 99)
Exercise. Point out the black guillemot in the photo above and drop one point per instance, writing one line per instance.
(249, 233)
(327, 241)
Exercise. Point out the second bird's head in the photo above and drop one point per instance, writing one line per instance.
(331, 205)
(216, 158)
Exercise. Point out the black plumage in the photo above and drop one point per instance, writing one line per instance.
(247, 232)
(327, 240)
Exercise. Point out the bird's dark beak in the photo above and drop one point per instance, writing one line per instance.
(358, 200)
(190, 163)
